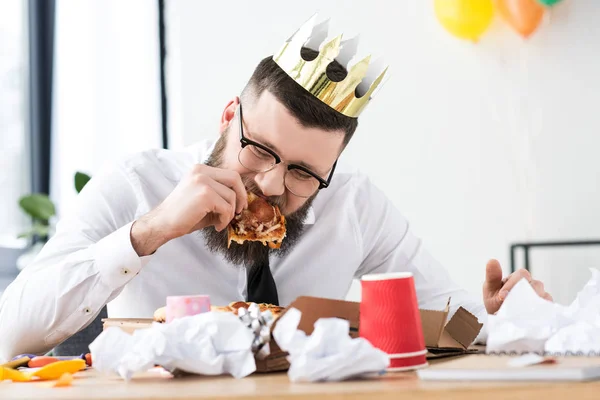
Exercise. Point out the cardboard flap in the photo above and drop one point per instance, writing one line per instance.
(313, 308)
(447, 341)
(463, 327)
(433, 322)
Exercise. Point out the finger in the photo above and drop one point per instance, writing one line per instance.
(212, 219)
(221, 208)
(232, 180)
(548, 297)
(512, 281)
(538, 286)
(493, 275)
(227, 194)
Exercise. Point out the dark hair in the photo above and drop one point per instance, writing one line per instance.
(310, 111)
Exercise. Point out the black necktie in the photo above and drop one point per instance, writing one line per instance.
(261, 285)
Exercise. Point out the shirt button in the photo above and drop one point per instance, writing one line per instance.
(124, 271)
(87, 310)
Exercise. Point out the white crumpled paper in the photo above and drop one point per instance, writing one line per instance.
(329, 353)
(211, 343)
(527, 323)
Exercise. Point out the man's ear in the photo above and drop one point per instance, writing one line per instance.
(228, 114)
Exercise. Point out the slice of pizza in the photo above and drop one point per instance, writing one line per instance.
(276, 311)
(160, 315)
(260, 222)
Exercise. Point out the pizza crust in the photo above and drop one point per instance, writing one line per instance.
(160, 315)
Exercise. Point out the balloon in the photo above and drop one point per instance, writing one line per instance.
(523, 15)
(549, 2)
(466, 19)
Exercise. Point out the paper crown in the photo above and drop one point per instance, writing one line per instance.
(362, 78)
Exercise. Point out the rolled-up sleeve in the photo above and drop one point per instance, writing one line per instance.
(83, 266)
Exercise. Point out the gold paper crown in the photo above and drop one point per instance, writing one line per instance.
(361, 80)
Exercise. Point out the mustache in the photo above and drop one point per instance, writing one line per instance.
(251, 186)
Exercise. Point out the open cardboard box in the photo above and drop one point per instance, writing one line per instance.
(441, 339)
(448, 339)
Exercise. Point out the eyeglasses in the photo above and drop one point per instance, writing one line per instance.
(299, 180)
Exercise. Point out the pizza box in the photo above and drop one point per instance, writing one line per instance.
(312, 309)
(450, 338)
(441, 339)
(129, 325)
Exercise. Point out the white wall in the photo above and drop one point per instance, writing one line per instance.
(14, 149)
(106, 88)
(479, 145)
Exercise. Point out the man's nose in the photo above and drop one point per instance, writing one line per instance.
(271, 183)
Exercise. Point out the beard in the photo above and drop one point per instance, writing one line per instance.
(253, 253)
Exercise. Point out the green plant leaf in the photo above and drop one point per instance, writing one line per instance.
(81, 179)
(38, 206)
(26, 235)
(39, 230)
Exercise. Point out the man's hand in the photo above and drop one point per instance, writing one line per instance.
(495, 289)
(206, 196)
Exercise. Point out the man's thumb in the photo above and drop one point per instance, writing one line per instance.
(493, 273)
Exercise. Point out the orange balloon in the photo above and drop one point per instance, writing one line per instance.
(523, 15)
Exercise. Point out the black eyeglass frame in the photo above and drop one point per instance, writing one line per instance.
(244, 141)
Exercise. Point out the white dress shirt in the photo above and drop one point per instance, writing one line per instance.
(352, 229)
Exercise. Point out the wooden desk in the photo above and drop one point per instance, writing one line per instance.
(89, 385)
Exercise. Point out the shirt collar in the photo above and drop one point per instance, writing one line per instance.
(201, 152)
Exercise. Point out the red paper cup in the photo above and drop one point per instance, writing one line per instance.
(390, 319)
(408, 361)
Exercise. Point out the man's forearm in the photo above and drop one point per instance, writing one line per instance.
(147, 235)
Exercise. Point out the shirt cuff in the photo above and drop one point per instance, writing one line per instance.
(116, 259)
(483, 333)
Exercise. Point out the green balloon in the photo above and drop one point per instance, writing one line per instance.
(549, 2)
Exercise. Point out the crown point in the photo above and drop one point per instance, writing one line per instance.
(318, 35)
(359, 70)
(380, 81)
(331, 49)
(377, 83)
(348, 50)
(337, 41)
(372, 76)
(303, 33)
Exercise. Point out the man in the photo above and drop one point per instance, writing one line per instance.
(156, 224)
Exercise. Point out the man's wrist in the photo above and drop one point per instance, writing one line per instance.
(147, 236)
